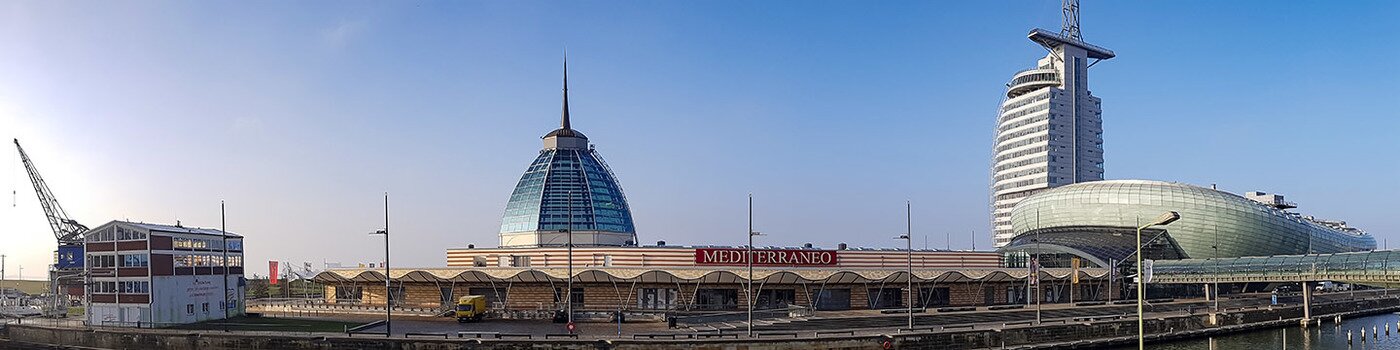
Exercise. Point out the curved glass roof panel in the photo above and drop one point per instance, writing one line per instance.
(1213, 223)
(568, 189)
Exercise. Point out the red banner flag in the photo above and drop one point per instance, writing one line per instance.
(272, 272)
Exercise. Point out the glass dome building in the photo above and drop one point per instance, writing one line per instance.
(567, 188)
(1096, 221)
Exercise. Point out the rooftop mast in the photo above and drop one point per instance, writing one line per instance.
(564, 124)
(1069, 23)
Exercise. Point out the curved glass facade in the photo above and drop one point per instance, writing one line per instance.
(1213, 223)
(1371, 268)
(563, 179)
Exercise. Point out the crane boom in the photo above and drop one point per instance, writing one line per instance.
(66, 230)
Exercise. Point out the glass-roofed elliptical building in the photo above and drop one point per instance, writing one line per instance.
(1096, 221)
(1049, 130)
(567, 188)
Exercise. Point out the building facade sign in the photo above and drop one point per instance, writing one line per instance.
(70, 256)
(765, 257)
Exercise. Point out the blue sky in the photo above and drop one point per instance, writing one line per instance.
(302, 114)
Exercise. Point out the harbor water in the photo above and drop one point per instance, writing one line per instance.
(1382, 332)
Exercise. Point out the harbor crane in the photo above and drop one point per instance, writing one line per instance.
(65, 229)
(68, 269)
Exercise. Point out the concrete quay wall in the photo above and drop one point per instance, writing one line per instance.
(1049, 335)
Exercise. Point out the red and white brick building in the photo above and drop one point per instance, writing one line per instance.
(153, 275)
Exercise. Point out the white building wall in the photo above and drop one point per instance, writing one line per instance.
(188, 299)
(119, 315)
(1046, 137)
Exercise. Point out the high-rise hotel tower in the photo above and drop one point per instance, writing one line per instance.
(1049, 129)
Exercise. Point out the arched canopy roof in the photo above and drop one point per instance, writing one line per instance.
(693, 275)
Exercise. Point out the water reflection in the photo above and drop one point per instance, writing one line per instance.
(1382, 333)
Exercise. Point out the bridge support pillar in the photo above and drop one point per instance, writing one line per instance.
(1307, 304)
(1210, 296)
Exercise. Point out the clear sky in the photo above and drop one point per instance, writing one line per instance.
(301, 114)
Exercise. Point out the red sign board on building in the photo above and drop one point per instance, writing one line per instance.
(765, 257)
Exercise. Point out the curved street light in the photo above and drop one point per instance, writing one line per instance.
(388, 294)
(1164, 219)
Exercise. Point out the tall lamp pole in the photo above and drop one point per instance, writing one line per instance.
(1215, 289)
(1165, 218)
(223, 232)
(748, 260)
(908, 238)
(569, 241)
(388, 295)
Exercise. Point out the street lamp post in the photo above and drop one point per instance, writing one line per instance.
(569, 242)
(388, 294)
(223, 233)
(1166, 218)
(908, 238)
(1109, 293)
(1039, 293)
(1215, 289)
(748, 260)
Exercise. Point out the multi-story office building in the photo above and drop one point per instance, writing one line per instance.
(1049, 129)
(152, 275)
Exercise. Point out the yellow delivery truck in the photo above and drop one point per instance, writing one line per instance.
(471, 308)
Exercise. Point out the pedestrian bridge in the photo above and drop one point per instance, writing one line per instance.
(1374, 268)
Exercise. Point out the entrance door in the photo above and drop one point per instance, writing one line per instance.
(656, 298)
(447, 296)
(886, 298)
(929, 297)
(832, 299)
(495, 297)
(776, 298)
(717, 299)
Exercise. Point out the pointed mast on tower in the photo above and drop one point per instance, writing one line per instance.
(564, 123)
(565, 130)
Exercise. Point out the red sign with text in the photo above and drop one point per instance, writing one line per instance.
(765, 257)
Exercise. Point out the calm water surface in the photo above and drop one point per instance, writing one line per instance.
(1329, 336)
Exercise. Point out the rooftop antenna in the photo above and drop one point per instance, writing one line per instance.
(1069, 22)
(564, 123)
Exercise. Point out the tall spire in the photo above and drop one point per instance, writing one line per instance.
(565, 130)
(564, 123)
